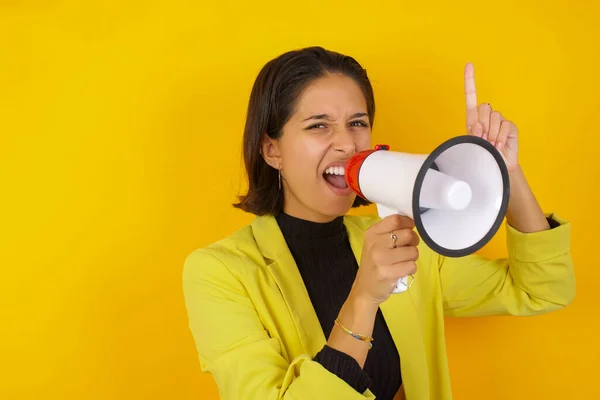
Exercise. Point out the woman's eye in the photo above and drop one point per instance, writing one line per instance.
(359, 123)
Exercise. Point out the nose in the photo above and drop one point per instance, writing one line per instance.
(343, 142)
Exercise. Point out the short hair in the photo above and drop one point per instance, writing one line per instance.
(272, 102)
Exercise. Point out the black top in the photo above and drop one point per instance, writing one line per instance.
(328, 267)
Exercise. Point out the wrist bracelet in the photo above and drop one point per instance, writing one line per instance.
(358, 336)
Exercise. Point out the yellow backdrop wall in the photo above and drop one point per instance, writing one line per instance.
(120, 127)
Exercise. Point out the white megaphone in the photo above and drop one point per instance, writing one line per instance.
(457, 195)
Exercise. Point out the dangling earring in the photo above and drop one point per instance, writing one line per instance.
(279, 178)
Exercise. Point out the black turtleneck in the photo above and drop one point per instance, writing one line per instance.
(328, 267)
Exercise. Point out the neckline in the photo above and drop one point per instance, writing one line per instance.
(297, 228)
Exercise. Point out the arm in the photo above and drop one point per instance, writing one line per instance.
(234, 347)
(358, 316)
(537, 277)
(343, 355)
(524, 213)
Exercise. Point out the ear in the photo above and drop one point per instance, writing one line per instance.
(271, 152)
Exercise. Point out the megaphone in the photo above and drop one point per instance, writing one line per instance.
(457, 195)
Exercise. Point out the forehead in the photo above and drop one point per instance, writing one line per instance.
(333, 94)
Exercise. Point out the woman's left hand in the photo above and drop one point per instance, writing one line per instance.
(488, 124)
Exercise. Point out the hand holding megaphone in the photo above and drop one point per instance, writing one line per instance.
(386, 259)
(457, 195)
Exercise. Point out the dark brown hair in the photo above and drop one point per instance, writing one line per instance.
(272, 103)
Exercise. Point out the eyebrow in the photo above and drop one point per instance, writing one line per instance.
(325, 116)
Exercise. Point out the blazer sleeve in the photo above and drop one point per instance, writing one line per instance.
(234, 347)
(536, 277)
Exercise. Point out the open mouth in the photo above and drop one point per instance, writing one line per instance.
(335, 177)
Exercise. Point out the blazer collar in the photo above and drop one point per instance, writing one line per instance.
(282, 267)
(272, 245)
(399, 310)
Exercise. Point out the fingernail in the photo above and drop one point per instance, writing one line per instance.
(499, 146)
(484, 136)
(493, 144)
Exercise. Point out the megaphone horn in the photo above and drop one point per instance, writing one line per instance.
(457, 195)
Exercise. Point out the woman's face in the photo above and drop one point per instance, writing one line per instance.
(330, 124)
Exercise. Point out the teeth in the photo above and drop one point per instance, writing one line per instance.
(335, 170)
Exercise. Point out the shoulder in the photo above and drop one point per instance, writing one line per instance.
(223, 258)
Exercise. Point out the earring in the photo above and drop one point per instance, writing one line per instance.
(279, 178)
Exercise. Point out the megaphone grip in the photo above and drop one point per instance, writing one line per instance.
(403, 284)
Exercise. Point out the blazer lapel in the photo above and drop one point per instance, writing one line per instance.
(284, 271)
(401, 316)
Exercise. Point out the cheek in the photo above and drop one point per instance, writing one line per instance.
(363, 141)
(302, 157)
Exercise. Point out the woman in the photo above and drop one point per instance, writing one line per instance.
(297, 304)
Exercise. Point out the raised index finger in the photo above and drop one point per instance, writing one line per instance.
(470, 95)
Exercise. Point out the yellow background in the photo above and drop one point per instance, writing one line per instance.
(120, 149)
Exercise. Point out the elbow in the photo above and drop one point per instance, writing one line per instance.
(558, 300)
(567, 288)
(569, 293)
(550, 287)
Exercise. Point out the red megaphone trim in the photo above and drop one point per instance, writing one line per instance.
(353, 168)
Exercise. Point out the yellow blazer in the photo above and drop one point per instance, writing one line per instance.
(256, 330)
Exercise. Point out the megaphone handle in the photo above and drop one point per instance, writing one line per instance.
(385, 211)
(403, 283)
